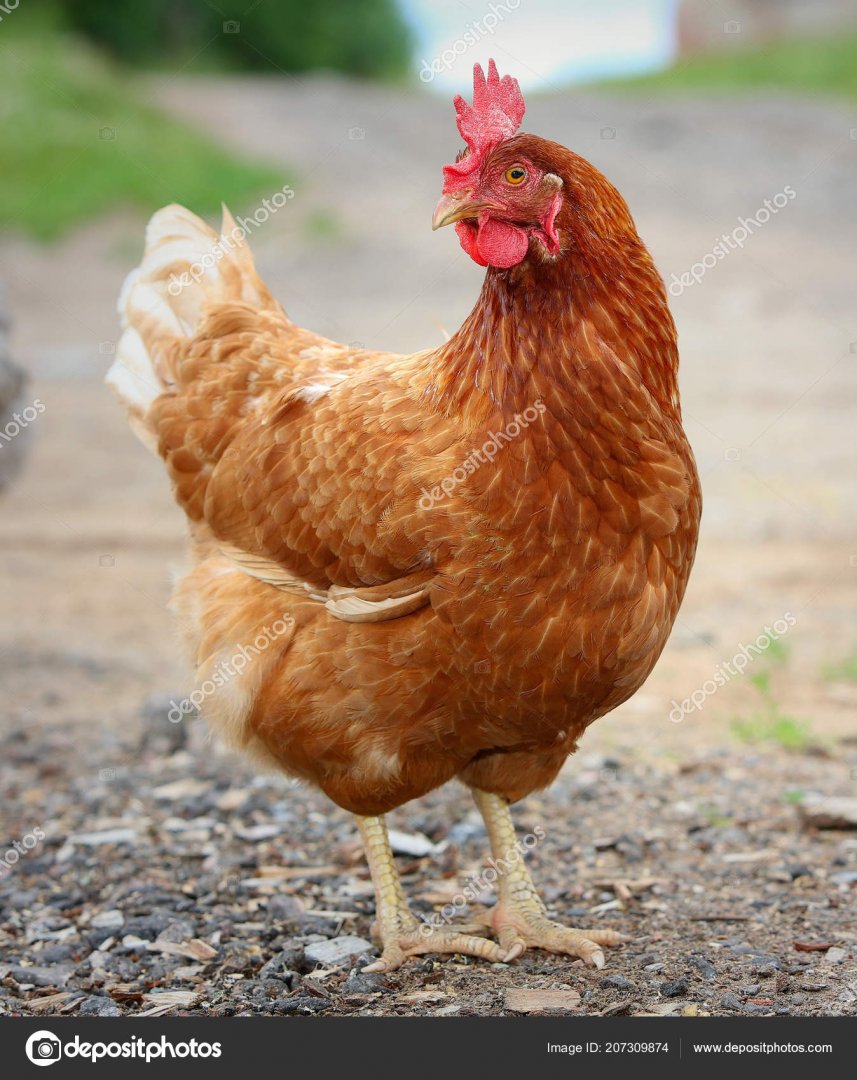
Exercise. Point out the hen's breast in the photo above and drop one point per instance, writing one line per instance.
(563, 590)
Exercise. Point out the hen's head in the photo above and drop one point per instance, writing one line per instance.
(511, 195)
(498, 195)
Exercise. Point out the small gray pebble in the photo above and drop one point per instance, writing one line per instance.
(765, 968)
(286, 908)
(337, 950)
(177, 930)
(55, 975)
(675, 987)
(705, 968)
(365, 983)
(55, 954)
(99, 1006)
(282, 967)
(147, 926)
(462, 831)
(302, 1003)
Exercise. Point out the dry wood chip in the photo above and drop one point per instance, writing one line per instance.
(535, 1001)
(425, 996)
(104, 836)
(610, 905)
(284, 873)
(51, 1003)
(187, 788)
(415, 844)
(441, 892)
(167, 1000)
(232, 799)
(195, 949)
(618, 1008)
(829, 812)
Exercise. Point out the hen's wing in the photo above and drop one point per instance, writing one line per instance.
(297, 484)
(289, 449)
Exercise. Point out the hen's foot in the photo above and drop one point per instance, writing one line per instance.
(398, 931)
(521, 926)
(519, 918)
(406, 936)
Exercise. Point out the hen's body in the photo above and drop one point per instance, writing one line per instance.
(499, 613)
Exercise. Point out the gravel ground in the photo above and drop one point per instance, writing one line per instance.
(166, 877)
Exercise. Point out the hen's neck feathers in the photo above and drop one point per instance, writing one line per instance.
(540, 329)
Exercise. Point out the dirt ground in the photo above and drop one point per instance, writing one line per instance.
(681, 828)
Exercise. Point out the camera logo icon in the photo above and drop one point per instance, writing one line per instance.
(44, 1048)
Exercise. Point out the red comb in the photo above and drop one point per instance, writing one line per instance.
(496, 114)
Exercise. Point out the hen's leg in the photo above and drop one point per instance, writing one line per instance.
(400, 933)
(519, 917)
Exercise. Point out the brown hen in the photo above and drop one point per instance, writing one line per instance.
(409, 569)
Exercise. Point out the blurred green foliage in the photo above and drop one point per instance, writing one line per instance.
(768, 722)
(368, 38)
(843, 671)
(77, 141)
(801, 65)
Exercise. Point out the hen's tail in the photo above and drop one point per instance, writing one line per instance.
(187, 267)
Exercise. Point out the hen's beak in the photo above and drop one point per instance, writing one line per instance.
(456, 207)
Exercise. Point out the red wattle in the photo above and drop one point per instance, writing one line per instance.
(501, 244)
(467, 239)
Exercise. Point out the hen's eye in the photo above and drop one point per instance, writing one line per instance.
(515, 175)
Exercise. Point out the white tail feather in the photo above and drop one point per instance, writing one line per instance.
(186, 268)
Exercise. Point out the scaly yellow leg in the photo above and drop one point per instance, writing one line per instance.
(520, 917)
(400, 933)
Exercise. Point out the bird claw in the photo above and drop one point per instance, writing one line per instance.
(425, 939)
(518, 929)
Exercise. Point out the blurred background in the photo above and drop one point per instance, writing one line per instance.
(730, 127)
(699, 111)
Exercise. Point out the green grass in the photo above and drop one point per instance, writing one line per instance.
(768, 723)
(773, 727)
(802, 65)
(77, 141)
(324, 225)
(714, 817)
(844, 671)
